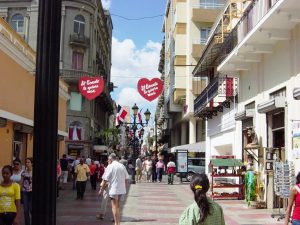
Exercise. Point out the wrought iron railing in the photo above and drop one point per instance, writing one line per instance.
(79, 39)
(69, 74)
(206, 95)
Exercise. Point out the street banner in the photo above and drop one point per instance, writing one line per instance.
(91, 87)
(150, 89)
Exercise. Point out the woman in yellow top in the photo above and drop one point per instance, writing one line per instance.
(9, 198)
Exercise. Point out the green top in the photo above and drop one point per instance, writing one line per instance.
(191, 215)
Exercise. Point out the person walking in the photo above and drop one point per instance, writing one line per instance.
(117, 177)
(26, 190)
(103, 198)
(74, 165)
(203, 211)
(154, 174)
(147, 167)
(160, 167)
(10, 196)
(81, 172)
(64, 170)
(93, 174)
(58, 176)
(294, 200)
(138, 169)
(17, 171)
(171, 170)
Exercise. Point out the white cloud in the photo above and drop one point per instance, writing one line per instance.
(106, 4)
(129, 64)
(128, 96)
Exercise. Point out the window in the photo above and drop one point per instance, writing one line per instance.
(75, 101)
(77, 61)
(204, 33)
(17, 22)
(75, 131)
(79, 23)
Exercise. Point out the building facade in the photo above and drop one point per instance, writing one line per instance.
(186, 26)
(17, 61)
(261, 53)
(86, 33)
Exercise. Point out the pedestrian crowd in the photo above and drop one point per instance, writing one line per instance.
(113, 181)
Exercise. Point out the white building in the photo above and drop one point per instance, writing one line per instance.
(263, 51)
(187, 24)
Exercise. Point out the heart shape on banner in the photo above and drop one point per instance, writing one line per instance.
(91, 87)
(150, 89)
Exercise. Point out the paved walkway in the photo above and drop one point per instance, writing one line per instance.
(149, 204)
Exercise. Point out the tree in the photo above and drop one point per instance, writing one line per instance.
(110, 136)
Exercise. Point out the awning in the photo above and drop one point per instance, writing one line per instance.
(270, 105)
(100, 148)
(245, 114)
(196, 147)
(226, 162)
(296, 93)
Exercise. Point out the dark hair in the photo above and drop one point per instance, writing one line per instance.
(30, 159)
(9, 168)
(298, 178)
(200, 185)
(17, 160)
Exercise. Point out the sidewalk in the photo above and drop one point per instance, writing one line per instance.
(152, 203)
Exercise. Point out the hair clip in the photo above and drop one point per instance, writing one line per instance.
(197, 187)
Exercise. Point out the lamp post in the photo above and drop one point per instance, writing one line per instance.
(134, 128)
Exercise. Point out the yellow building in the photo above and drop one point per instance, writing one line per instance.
(17, 85)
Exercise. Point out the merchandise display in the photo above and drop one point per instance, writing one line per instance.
(226, 174)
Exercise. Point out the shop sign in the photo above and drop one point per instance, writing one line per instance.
(150, 89)
(91, 87)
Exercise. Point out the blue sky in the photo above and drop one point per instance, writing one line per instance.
(136, 47)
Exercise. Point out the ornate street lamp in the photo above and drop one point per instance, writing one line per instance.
(134, 128)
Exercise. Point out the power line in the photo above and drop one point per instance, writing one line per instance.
(138, 18)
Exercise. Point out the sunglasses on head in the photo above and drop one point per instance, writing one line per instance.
(16, 164)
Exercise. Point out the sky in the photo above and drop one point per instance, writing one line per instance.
(136, 46)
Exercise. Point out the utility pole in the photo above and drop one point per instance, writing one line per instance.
(46, 113)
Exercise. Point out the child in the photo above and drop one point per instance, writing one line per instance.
(171, 170)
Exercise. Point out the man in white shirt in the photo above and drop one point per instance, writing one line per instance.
(116, 175)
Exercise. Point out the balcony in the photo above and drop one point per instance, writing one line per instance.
(179, 95)
(206, 12)
(73, 75)
(79, 40)
(260, 29)
(197, 48)
(215, 96)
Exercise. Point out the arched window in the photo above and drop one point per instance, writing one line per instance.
(75, 131)
(79, 23)
(17, 22)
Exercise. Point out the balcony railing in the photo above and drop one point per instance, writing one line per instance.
(221, 86)
(79, 40)
(74, 75)
(208, 5)
(206, 96)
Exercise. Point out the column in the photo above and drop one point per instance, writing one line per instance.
(62, 38)
(183, 133)
(199, 131)
(192, 129)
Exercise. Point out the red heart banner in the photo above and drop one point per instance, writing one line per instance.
(91, 87)
(150, 89)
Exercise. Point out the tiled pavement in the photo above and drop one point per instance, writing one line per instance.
(149, 204)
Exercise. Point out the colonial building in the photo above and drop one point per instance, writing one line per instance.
(17, 62)
(86, 33)
(186, 26)
(251, 101)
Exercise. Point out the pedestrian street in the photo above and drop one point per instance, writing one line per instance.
(152, 203)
